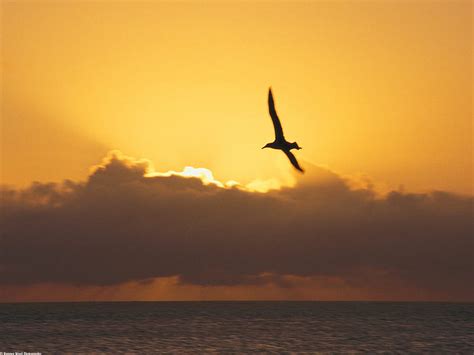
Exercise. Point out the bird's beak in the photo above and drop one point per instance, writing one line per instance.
(264, 147)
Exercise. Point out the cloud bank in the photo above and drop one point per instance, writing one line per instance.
(127, 223)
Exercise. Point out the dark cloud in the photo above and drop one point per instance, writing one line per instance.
(126, 224)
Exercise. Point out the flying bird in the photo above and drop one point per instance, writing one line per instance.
(280, 142)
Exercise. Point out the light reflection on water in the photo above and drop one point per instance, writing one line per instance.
(237, 327)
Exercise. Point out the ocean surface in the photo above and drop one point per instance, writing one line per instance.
(200, 327)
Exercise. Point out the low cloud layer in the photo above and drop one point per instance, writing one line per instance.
(128, 224)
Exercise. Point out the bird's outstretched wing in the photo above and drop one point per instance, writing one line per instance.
(293, 160)
(276, 121)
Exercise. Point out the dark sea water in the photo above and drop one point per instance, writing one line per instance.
(197, 327)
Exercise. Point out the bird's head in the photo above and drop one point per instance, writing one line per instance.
(266, 146)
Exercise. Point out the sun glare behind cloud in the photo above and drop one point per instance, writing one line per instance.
(205, 175)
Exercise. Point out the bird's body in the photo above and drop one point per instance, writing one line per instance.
(280, 142)
(283, 145)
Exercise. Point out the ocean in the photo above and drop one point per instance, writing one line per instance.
(237, 327)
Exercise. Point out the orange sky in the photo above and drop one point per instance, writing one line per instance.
(380, 88)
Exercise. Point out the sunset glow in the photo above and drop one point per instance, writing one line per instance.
(131, 161)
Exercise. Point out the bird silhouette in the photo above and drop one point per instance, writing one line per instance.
(280, 142)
